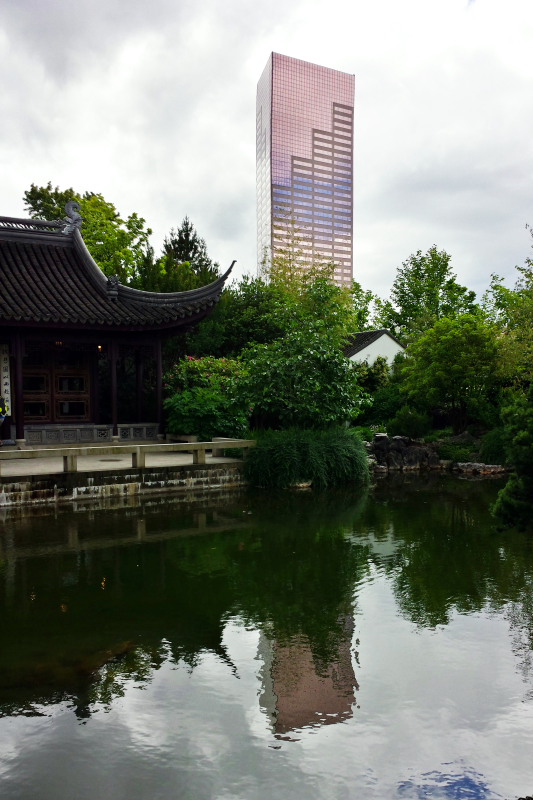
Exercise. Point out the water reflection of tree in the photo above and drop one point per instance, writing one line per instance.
(83, 621)
(297, 573)
(448, 554)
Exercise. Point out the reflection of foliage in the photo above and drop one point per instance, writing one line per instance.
(136, 664)
(520, 616)
(298, 578)
(514, 505)
(447, 555)
(158, 585)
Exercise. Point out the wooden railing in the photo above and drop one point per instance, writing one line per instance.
(138, 451)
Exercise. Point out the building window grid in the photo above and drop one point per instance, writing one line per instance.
(319, 188)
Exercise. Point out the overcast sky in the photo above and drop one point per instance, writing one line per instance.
(152, 104)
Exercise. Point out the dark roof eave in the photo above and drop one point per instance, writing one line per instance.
(139, 295)
(182, 324)
(166, 298)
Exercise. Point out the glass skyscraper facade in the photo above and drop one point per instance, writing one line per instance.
(304, 139)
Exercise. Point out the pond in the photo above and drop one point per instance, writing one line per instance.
(337, 646)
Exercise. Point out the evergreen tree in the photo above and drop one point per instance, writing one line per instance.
(185, 259)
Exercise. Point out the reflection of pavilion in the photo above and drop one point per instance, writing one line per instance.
(296, 692)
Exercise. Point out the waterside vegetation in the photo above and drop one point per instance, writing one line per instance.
(270, 357)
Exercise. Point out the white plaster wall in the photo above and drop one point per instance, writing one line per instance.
(384, 346)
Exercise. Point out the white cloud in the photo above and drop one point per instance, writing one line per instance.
(154, 106)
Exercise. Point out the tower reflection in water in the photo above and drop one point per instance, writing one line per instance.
(297, 692)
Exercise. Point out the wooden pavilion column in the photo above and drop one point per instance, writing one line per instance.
(159, 386)
(19, 396)
(113, 358)
(139, 373)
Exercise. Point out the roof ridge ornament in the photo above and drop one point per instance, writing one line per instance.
(73, 220)
(112, 286)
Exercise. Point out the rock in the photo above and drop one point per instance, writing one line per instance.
(400, 453)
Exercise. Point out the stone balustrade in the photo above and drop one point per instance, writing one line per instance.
(138, 451)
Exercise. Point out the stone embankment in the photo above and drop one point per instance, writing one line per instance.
(402, 454)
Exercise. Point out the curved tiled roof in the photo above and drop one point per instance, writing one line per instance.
(48, 277)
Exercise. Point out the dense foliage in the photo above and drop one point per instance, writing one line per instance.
(302, 380)
(452, 367)
(203, 398)
(271, 353)
(515, 502)
(121, 246)
(424, 291)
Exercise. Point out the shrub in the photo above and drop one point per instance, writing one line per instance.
(409, 422)
(437, 435)
(302, 380)
(203, 398)
(492, 450)
(367, 432)
(514, 505)
(205, 412)
(281, 459)
(190, 373)
(456, 451)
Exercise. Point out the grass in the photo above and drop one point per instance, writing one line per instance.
(329, 458)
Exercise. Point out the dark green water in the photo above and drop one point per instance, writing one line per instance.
(332, 647)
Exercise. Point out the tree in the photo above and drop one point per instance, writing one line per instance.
(424, 291)
(514, 505)
(452, 367)
(259, 311)
(47, 202)
(302, 380)
(511, 310)
(119, 246)
(185, 261)
(202, 398)
(362, 301)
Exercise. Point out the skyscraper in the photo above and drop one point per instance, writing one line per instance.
(304, 140)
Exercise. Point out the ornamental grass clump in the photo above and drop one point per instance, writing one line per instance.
(329, 458)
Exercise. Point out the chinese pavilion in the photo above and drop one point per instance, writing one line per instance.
(80, 353)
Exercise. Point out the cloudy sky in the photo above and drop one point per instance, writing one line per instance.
(152, 104)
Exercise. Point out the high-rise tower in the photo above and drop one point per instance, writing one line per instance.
(304, 126)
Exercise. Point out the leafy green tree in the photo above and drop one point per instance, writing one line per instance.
(48, 202)
(202, 398)
(251, 311)
(119, 246)
(452, 367)
(424, 291)
(259, 311)
(512, 312)
(514, 505)
(362, 301)
(302, 381)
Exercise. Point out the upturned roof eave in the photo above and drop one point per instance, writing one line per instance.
(212, 289)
